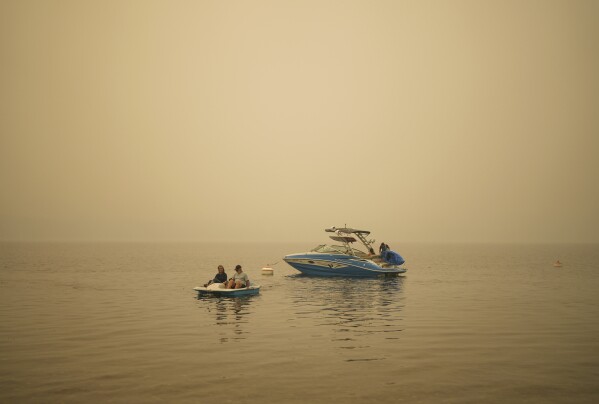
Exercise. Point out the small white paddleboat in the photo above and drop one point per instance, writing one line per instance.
(218, 289)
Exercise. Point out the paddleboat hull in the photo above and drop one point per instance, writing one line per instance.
(221, 292)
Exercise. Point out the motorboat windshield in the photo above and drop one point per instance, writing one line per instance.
(330, 249)
(338, 249)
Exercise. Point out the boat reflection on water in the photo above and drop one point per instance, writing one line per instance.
(231, 315)
(358, 313)
(364, 292)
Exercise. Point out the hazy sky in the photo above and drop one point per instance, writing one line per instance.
(271, 120)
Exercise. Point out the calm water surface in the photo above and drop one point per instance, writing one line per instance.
(468, 323)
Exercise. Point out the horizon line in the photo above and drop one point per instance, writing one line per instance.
(191, 241)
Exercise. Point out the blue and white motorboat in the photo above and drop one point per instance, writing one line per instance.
(346, 260)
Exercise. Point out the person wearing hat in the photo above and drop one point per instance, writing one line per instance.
(239, 280)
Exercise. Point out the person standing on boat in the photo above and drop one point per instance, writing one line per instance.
(383, 247)
(239, 280)
(220, 277)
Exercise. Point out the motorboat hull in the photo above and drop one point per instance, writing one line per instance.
(339, 265)
(221, 292)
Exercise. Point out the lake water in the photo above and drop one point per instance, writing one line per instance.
(468, 324)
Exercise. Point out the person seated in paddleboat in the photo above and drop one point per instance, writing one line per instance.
(239, 280)
(220, 277)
